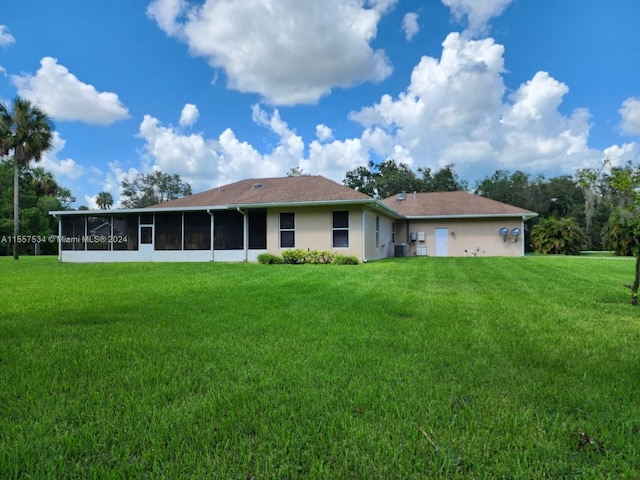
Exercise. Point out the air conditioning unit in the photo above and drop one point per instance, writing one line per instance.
(421, 251)
(401, 250)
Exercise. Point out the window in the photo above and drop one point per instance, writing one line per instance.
(258, 229)
(287, 230)
(168, 231)
(228, 230)
(197, 231)
(377, 232)
(393, 232)
(340, 229)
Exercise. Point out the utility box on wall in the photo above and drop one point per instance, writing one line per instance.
(421, 236)
(421, 251)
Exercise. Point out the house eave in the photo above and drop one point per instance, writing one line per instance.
(523, 216)
(123, 211)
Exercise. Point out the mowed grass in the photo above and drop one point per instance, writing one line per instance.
(405, 368)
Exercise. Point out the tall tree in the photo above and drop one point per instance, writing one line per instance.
(25, 133)
(152, 188)
(444, 180)
(382, 180)
(35, 206)
(104, 200)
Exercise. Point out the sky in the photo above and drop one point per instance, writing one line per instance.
(222, 90)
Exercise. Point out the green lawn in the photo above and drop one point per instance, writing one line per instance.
(405, 368)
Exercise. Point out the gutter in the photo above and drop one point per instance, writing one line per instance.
(524, 216)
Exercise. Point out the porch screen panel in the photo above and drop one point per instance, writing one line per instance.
(258, 229)
(98, 231)
(197, 231)
(168, 231)
(125, 232)
(73, 232)
(228, 227)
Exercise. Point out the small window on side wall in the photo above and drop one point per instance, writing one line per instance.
(340, 229)
(287, 230)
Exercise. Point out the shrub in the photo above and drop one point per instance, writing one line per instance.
(319, 256)
(345, 260)
(295, 257)
(560, 236)
(270, 259)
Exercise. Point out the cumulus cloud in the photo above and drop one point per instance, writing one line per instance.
(189, 115)
(59, 167)
(59, 93)
(323, 133)
(287, 51)
(455, 110)
(630, 113)
(410, 25)
(5, 37)
(477, 12)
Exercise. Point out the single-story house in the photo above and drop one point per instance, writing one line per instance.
(239, 221)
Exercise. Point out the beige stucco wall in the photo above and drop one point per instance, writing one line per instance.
(466, 237)
(313, 229)
(384, 248)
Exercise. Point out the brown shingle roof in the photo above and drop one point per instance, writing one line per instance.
(440, 204)
(258, 191)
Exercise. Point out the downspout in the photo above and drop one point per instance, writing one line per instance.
(245, 236)
(522, 236)
(212, 232)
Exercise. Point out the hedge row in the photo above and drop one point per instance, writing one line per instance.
(298, 257)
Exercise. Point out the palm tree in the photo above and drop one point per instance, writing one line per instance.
(25, 132)
(104, 200)
(43, 182)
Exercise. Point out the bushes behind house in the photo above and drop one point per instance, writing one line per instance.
(298, 257)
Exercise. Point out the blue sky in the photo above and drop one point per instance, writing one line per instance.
(221, 90)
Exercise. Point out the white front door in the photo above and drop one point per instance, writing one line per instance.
(442, 242)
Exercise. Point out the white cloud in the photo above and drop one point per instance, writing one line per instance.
(410, 25)
(287, 51)
(189, 115)
(455, 111)
(59, 167)
(630, 113)
(59, 93)
(619, 155)
(5, 37)
(323, 133)
(477, 12)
